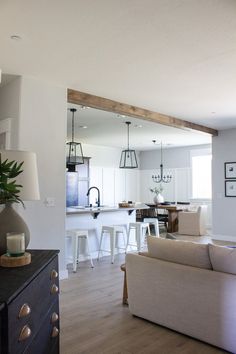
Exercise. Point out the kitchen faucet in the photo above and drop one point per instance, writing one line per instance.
(98, 199)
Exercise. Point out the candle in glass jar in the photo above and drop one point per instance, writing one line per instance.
(15, 244)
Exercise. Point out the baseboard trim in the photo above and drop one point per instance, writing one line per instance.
(63, 274)
(223, 238)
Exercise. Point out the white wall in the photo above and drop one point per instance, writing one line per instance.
(223, 150)
(42, 129)
(10, 107)
(172, 157)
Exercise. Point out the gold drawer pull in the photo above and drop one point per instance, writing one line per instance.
(25, 333)
(54, 317)
(55, 332)
(54, 289)
(24, 311)
(54, 274)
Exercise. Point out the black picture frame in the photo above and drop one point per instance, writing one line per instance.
(230, 188)
(230, 170)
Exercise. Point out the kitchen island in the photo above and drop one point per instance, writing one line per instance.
(92, 219)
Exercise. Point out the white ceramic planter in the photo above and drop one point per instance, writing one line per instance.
(158, 199)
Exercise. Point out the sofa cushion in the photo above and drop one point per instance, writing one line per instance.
(223, 259)
(182, 252)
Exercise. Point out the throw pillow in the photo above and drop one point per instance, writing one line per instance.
(223, 259)
(182, 252)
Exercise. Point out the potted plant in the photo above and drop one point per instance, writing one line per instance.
(10, 221)
(158, 198)
(9, 190)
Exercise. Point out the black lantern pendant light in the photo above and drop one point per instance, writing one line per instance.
(161, 177)
(128, 157)
(74, 154)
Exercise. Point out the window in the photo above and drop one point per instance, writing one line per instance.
(201, 174)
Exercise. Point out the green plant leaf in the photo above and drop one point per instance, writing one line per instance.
(9, 189)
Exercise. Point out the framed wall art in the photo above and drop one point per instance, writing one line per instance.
(230, 170)
(230, 188)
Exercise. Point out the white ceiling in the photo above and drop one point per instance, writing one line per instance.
(171, 56)
(109, 129)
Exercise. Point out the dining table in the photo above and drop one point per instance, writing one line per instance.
(173, 211)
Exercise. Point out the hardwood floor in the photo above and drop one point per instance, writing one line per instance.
(94, 321)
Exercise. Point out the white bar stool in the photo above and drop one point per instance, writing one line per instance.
(155, 223)
(140, 229)
(76, 236)
(113, 231)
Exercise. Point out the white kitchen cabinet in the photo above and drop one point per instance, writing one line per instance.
(115, 184)
(108, 186)
(119, 185)
(132, 182)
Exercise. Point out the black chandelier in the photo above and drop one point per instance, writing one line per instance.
(159, 178)
(74, 155)
(128, 157)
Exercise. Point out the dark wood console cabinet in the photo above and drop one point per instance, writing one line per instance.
(29, 307)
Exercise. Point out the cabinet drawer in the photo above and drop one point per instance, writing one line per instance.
(29, 309)
(47, 339)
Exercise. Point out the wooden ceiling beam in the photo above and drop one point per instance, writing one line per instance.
(86, 99)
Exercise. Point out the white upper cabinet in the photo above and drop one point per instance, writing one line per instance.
(116, 185)
(119, 185)
(132, 183)
(108, 186)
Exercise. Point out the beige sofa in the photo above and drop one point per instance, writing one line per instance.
(185, 286)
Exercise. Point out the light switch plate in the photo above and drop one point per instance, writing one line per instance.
(49, 202)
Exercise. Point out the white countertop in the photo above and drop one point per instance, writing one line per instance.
(84, 210)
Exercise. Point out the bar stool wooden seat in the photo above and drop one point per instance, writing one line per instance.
(113, 231)
(76, 236)
(140, 229)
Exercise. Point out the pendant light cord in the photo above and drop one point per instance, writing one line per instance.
(128, 134)
(73, 110)
(128, 124)
(73, 122)
(161, 153)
